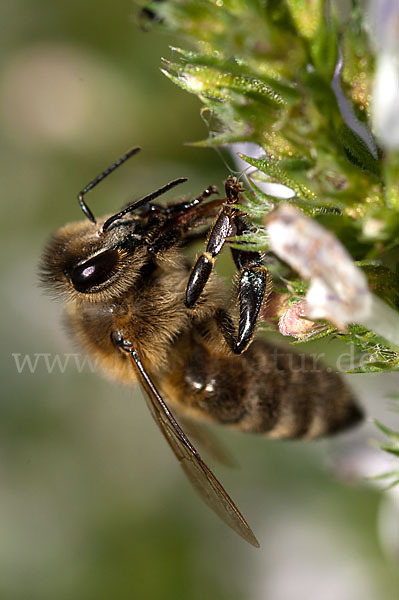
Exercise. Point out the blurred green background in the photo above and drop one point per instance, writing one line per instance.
(93, 504)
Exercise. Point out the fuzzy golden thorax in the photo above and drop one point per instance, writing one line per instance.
(137, 293)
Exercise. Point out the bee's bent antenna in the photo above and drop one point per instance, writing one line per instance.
(99, 178)
(142, 201)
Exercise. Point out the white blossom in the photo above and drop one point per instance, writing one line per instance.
(384, 23)
(338, 290)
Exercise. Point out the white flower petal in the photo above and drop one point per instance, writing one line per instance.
(385, 106)
(338, 290)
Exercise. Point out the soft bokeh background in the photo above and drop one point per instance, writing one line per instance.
(92, 502)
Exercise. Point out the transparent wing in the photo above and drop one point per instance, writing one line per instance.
(206, 439)
(194, 467)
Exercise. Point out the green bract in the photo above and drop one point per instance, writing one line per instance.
(295, 77)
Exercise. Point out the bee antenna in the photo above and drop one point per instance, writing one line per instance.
(86, 210)
(142, 201)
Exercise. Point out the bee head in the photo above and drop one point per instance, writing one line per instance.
(82, 262)
(98, 260)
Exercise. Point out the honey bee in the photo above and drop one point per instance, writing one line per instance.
(137, 306)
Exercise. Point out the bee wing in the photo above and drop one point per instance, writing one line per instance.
(206, 440)
(200, 476)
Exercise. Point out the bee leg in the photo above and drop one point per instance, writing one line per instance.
(180, 207)
(183, 206)
(178, 219)
(254, 287)
(254, 282)
(222, 228)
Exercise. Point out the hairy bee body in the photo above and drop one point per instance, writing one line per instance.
(266, 389)
(143, 314)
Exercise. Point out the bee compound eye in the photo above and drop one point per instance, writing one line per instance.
(95, 271)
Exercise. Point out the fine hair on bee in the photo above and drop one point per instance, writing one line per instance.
(146, 315)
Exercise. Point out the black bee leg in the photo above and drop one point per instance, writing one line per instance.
(203, 268)
(177, 219)
(223, 227)
(184, 206)
(160, 211)
(254, 286)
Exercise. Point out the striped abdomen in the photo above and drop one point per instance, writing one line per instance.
(265, 390)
